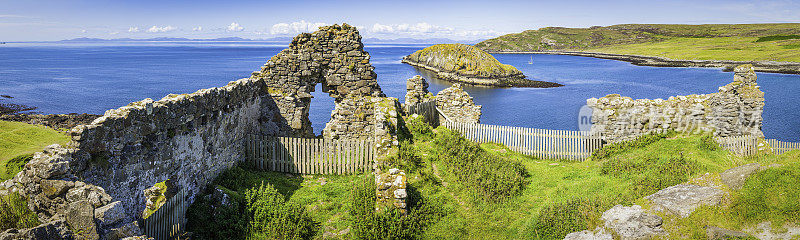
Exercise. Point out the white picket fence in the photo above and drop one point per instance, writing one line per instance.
(739, 145)
(425, 109)
(749, 145)
(780, 147)
(541, 143)
(169, 221)
(310, 155)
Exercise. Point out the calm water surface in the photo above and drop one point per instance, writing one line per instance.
(92, 78)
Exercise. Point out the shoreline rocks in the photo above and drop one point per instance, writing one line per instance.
(54, 121)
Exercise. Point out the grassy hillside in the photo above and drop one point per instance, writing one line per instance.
(18, 139)
(746, 42)
(534, 198)
(463, 60)
(724, 48)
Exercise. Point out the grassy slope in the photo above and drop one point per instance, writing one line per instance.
(550, 182)
(705, 42)
(726, 48)
(21, 138)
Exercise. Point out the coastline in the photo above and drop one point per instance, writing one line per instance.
(512, 81)
(760, 66)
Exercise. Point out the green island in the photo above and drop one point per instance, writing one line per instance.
(467, 64)
(770, 47)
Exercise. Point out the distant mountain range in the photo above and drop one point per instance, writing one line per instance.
(171, 39)
(276, 39)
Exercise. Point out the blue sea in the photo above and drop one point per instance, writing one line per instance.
(92, 78)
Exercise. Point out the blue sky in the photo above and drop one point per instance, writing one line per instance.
(37, 20)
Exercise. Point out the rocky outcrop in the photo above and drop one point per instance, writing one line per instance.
(683, 199)
(466, 64)
(733, 111)
(632, 223)
(54, 121)
(67, 206)
(417, 91)
(457, 105)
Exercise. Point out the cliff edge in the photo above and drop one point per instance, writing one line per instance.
(470, 65)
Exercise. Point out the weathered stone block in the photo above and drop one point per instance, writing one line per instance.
(80, 218)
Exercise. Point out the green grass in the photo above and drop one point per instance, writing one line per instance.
(14, 213)
(18, 139)
(777, 37)
(738, 42)
(324, 197)
(770, 195)
(556, 197)
(723, 48)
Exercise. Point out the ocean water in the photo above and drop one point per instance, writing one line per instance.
(92, 78)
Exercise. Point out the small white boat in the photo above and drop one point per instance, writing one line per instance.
(531, 61)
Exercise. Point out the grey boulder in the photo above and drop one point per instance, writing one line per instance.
(683, 199)
(632, 223)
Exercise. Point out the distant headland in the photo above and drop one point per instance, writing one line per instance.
(768, 47)
(467, 64)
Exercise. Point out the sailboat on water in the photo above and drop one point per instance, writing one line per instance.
(531, 61)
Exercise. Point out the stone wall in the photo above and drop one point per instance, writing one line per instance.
(333, 56)
(734, 110)
(390, 190)
(457, 105)
(190, 138)
(417, 91)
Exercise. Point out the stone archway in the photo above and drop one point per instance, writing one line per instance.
(334, 57)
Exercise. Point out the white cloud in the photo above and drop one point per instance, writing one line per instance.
(235, 27)
(157, 29)
(380, 28)
(197, 29)
(133, 29)
(83, 31)
(113, 33)
(412, 29)
(295, 27)
(478, 33)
